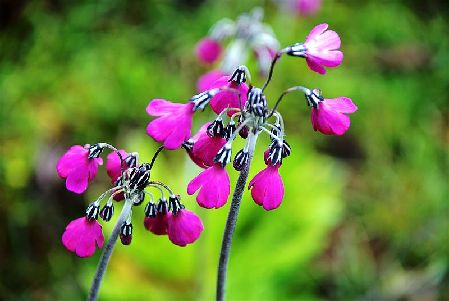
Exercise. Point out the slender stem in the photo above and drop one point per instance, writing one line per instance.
(107, 252)
(231, 221)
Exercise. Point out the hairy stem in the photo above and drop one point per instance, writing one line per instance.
(231, 221)
(107, 252)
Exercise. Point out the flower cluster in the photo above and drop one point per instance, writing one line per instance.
(242, 110)
(130, 181)
(246, 34)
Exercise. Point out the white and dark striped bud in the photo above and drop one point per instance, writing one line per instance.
(223, 156)
(257, 102)
(239, 76)
(92, 211)
(126, 233)
(107, 212)
(298, 50)
(174, 204)
(188, 145)
(275, 131)
(313, 97)
(151, 210)
(139, 177)
(286, 149)
(95, 150)
(131, 160)
(216, 128)
(244, 131)
(275, 152)
(201, 100)
(230, 129)
(240, 160)
(139, 198)
(162, 207)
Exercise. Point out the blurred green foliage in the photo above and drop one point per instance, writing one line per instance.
(365, 216)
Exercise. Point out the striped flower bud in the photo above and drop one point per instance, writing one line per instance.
(107, 211)
(92, 211)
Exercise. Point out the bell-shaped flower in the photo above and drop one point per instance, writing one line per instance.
(329, 116)
(77, 168)
(206, 80)
(174, 122)
(214, 186)
(114, 164)
(157, 224)
(81, 236)
(184, 227)
(205, 147)
(228, 99)
(321, 48)
(208, 50)
(267, 189)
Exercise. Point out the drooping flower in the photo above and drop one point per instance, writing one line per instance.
(205, 147)
(329, 116)
(78, 168)
(214, 186)
(322, 48)
(113, 164)
(81, 236)
(208, 50)
(267, 188)
(228, 99)
(173, 124)
(307, 7)
(157, 224)
(184, 228)
(206, 80)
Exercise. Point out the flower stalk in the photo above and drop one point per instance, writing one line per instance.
(232, 219)
(107, 252)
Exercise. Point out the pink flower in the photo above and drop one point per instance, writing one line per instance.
(266, 187)
(329, 117)
(208, 50)
(307, 7)
(77, 168)
(81, 236)
(113, 164)
(158, 224)
(174, 122)
(322, 49)
(184, 228)
(214, 187)
(206, 80)
(205, 148)
(225, 99)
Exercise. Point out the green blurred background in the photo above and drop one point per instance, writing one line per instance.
(365, 216)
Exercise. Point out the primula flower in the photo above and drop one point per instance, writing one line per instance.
(82, 235)
(114, 164)
(157, 224)
(307, 7)
(228, 99)
(205, 147)
(206, 80)
(329, 118)
(173, 124)
(79, 166)
(184, 227)
(208, 50)
(214, 187)
(267, 188)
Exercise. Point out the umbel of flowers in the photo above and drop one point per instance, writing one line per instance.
(244, 36)
(243, 111)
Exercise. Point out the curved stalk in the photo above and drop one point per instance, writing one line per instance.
(232, 219)
(107, 252)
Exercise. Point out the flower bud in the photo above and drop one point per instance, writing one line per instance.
(107, 211)
(239, 75)
(92, 211)
(126, 232)
(241, 160)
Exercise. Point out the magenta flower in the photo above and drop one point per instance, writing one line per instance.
(205, 147)
(173, 124)
(214, 187)
(227, 99)
(157, 224)
(81, 236)
(78, 168)
(184, 228)
(267, 188)
(206, 80)
(113, 164)
(329, 116)
(321, 48)
(307, 7)
(208, 50)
